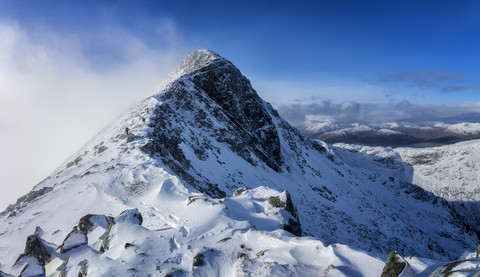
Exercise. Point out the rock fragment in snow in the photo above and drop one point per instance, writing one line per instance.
(106, 241)
(239, 192)
(284, 201)
(396, 266)
(82, 272)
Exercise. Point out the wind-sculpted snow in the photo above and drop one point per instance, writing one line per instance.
(210, 181)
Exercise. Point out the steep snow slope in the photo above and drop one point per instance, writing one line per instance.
(207, 134)
(451, 172)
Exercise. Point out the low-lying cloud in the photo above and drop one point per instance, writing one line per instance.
(55, 93)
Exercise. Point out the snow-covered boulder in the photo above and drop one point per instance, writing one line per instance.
(91, 221)
(132, 216)
(74, 239)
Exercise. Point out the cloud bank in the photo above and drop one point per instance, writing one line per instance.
(58, 89)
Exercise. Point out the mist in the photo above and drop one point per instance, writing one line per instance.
(55, 94)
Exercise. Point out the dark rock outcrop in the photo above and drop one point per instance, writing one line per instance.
(395, 266)
(106, 239)
(216, 93)
(24, 200)
(35, 248)
(284, 202)
(83, 271)
(90, 221)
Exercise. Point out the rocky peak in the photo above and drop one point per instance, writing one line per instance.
(213, 98)
(196, 60)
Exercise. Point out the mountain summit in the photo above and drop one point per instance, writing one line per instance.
(205, 178)
(196, 60)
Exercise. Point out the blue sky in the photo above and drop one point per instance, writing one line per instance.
(67, 68)
(354, 46)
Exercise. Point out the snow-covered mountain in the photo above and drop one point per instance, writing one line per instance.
(209, 180)
(392, 133)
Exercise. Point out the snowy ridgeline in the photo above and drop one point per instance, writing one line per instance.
(199, 186)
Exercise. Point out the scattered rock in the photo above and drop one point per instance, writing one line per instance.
(106, 242)
(239, 192)
(198, 260)
(38, 231)
(225, 239)
(194, 198)
(82, 272)
(284, 201)
(24, 200)
(128, 245)
(276, 202)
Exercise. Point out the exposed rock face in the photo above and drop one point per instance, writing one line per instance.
(106, 240)
(35, 256)
(83, 271)
(244, 109)
(24, 200)
(214, 93)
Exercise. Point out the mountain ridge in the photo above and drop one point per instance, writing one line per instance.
(207, 135)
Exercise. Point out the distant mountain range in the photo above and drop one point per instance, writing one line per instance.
(393, 134)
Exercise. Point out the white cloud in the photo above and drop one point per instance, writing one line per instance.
(55, 94)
